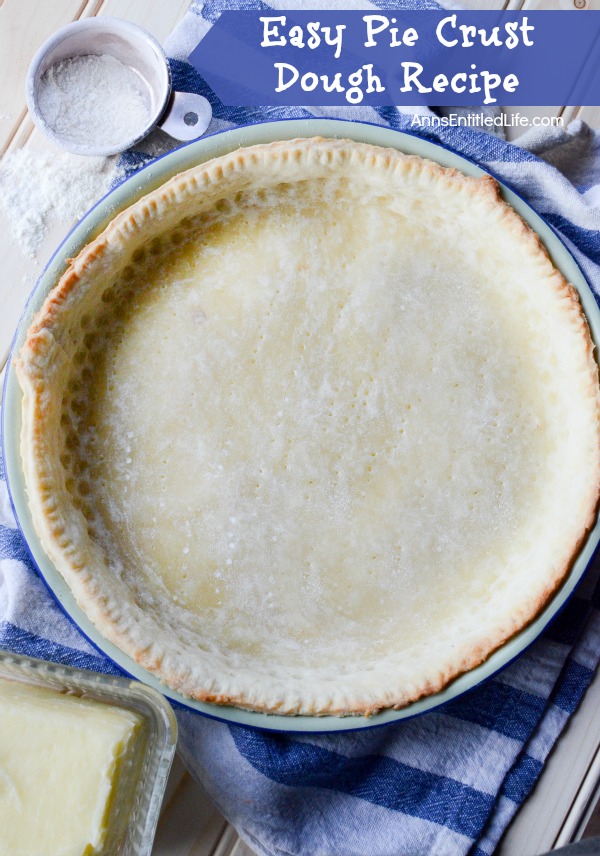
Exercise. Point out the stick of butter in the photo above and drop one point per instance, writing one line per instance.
(60, 761)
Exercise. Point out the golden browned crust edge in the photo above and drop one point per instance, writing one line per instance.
(132, 221)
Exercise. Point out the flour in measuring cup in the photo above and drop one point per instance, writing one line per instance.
(94, 100)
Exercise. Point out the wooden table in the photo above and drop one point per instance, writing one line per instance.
(559, 809)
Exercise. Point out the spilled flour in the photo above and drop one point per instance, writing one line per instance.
(38, 190)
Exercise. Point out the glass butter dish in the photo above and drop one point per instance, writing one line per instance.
(84, 760)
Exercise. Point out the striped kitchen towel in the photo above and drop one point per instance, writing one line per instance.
(450, 781)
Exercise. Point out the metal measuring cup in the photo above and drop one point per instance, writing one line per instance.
(182, 115)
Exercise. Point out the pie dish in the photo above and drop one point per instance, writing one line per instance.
(319, 394)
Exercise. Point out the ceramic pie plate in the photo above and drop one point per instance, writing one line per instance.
(129, 192)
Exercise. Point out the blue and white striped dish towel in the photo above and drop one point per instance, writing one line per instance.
(446, 783)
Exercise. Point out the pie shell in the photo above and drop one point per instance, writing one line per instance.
(43, 366)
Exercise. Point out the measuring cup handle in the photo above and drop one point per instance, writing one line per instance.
(187, 116)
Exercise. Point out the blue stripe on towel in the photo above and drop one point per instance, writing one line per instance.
(12, 546)
(587, 240)
(16, 639)
(375, 778)
(500, 707)
(574, 682)
(522, 778)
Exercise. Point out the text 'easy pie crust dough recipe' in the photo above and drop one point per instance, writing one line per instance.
(312, 428)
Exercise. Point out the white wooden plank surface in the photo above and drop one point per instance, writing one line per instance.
(24, 26)
(590, 115)
(552, 816)
(227, 843)
(242, 849)
(189, 825)
(157, 16)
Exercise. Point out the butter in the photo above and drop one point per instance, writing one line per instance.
(60, 761)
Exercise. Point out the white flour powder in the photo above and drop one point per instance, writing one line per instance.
(94, 100)
(37, 190)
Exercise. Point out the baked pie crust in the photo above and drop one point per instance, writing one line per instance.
(312, 428)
